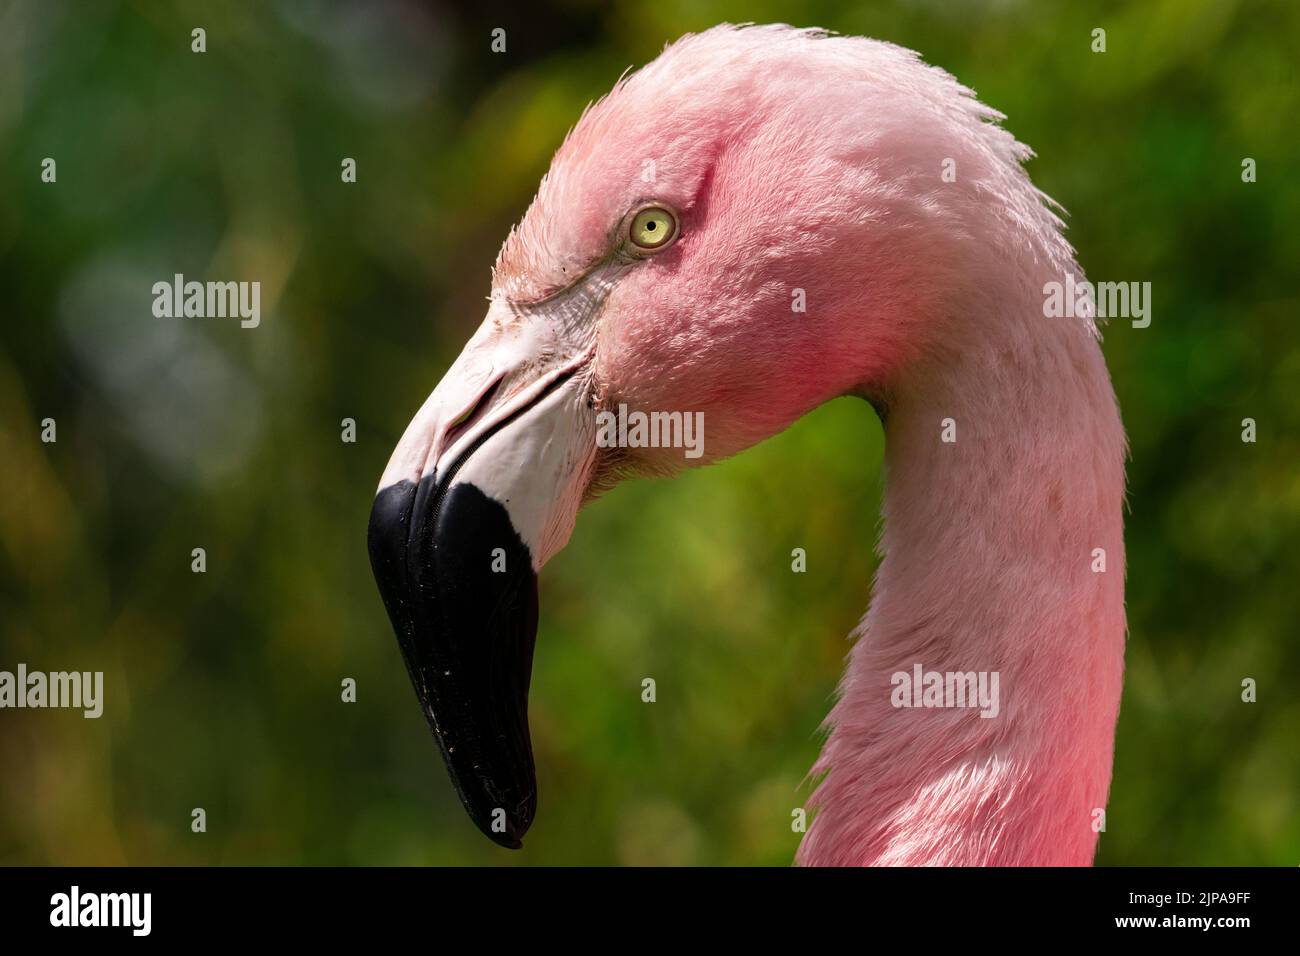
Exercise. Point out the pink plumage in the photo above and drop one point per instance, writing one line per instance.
(877, 187)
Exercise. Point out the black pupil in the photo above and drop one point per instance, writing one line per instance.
(650, 226)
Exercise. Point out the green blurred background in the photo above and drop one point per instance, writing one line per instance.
(223, 689)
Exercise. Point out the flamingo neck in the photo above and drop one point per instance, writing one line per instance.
(990, 568)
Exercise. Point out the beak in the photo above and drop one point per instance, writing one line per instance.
(482, 489)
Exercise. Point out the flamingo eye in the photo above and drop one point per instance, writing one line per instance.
(653, 228)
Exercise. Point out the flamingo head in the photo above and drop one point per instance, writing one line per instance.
(756, 222)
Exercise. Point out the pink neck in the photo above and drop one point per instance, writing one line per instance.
(988, 566)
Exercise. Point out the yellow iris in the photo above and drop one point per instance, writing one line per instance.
(653, 227)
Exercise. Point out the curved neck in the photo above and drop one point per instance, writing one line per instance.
(990, 568)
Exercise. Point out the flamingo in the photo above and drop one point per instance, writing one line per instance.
(743, 170)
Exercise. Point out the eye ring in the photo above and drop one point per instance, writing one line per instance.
(652, 228)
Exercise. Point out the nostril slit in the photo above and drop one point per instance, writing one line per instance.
(470, 415)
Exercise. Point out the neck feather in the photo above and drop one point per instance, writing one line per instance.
(989, 565)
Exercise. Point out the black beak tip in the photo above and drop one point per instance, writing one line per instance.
(501, 802)
(507, 840)
(461, 592)
(512, 838)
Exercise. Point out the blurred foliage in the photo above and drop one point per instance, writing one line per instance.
(223, 688)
